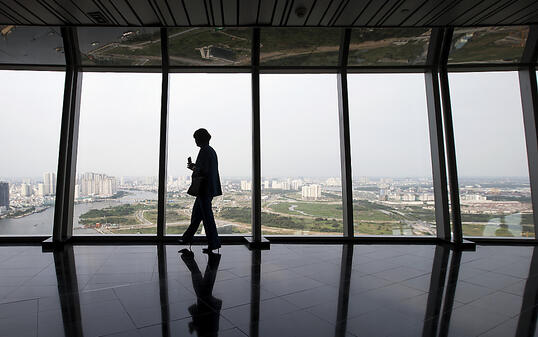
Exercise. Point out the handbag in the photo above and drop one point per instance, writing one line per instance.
(196, 186)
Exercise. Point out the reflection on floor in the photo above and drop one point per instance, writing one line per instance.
(290, 290)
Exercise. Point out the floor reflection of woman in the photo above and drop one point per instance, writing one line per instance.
(206, 311)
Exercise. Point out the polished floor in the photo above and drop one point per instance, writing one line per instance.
(290, 290)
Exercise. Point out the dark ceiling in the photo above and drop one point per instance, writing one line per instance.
(342, 13)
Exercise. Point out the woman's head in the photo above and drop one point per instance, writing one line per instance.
(201, 137)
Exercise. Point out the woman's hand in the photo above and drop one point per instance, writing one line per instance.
(190, 166)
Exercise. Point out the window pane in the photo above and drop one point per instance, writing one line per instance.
(118, 154)
(488, 44)
(198, 46)
(301, 186)
(220, 103)
(388, 46)
(30, 120)
(492, 160)
(299, 46)
(31, 45)
(392, 174)
(120, 46)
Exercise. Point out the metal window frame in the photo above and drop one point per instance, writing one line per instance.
(163, 144)
(435, 70)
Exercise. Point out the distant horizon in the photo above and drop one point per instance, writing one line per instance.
(3, 178)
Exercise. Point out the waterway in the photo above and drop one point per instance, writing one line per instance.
(41, 223)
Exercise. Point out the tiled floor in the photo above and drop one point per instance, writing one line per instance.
(290, 290)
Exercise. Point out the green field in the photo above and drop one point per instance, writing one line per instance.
(121, 215)
(317, 224)
(313, 209)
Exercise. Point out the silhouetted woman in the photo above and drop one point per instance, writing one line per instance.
(205, 185)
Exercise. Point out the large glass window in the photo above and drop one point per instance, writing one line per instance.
(299, 46)
(220, 103)
(118, 154)
(388, 46)
(30, 117)
(391, 161)
(31, 45)
(301, 185)
(488, 44)
(113, 46)
(492, 160)
(216, 46)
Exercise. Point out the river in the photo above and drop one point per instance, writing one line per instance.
(41, 223)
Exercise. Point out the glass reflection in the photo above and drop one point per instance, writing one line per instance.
(91, 294)
(31, 45)
(388, 46)
(488, 44)
(120, 46)
(299, 46)
(216, 46)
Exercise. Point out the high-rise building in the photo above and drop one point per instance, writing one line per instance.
(41, 190)
(49, 182)
(296, 184)
(311, 191)
(4, 194)
(26, 190)
(96, 184)
(246, 185)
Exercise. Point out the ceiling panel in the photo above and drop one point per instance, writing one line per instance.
(178, 11)
(247, 12)
(403, 11)
(12, 16)
(303, 8)
(197, 12)
(533, 7)
(317, 12)
(514, 8)
(230, 12)
(289, 13)
(331, 12)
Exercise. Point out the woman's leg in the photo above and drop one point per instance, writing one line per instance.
(210, 226)
(196, 217)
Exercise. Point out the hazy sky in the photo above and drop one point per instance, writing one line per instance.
(119, 130)
(389, 125)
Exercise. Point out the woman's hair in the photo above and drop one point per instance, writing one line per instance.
(202, 136)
